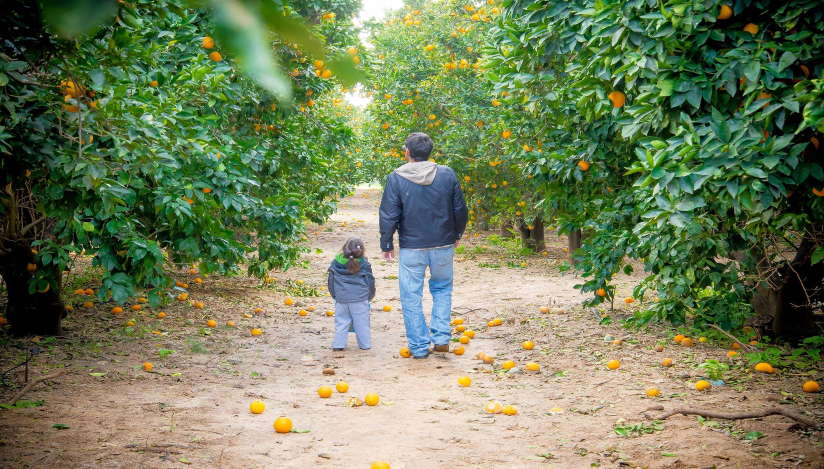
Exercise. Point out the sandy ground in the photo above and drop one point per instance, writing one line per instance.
(193, 409)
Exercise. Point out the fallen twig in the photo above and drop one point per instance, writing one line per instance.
(737, 415)
(744, 347)
(32, 383)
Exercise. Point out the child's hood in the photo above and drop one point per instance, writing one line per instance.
(339, 264)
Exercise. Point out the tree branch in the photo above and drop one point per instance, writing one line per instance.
(738, 415)
(746, 348)
(32, 225)
(32, 383)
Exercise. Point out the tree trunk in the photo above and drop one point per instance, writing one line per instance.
(533, 237)
(505, 230)
(783, 295)
(574, 239)
(483, 223)
(37, 313)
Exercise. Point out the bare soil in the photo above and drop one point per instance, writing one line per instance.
(193, 408)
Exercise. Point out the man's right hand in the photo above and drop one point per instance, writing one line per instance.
(389, 256)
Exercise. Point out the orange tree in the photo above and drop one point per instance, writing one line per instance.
(427, 76)
(141, 145)
(702, 120)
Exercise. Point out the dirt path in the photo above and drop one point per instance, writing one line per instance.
(195, 408)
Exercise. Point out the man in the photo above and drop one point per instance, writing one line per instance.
(424, 203)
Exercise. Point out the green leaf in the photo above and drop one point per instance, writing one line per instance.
(787, 58)
(818, 255)
(243, 34)
(75, 17)
(60, 426)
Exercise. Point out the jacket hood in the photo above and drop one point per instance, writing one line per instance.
(421, 173)
(339, 265)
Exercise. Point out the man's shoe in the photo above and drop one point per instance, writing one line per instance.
(442, 348)
(337, 349)
(421, 357)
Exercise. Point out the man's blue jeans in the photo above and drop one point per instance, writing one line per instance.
(412, 265)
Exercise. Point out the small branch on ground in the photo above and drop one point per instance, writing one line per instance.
(745, 347)
(32, 383)
(737, 415)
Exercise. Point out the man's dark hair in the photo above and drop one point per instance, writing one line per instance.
(419, 146)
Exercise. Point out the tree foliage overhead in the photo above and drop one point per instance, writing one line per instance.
(142, 145)
(713, 111)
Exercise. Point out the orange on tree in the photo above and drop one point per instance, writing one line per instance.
(584, 165)
(724, 13)
(751, 28)
(618, 99)
(215, 56)
(208, 42)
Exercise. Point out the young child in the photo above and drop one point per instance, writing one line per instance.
(352, 286)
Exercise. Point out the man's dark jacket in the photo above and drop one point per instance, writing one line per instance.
(424, 203)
